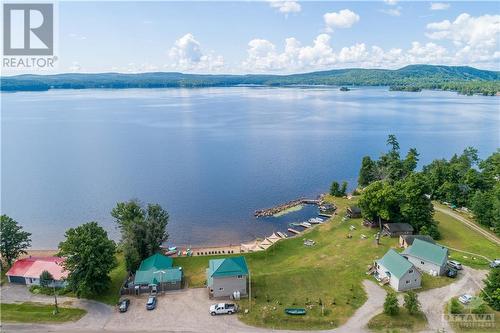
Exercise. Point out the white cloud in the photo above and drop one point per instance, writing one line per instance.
(467, 30)
(392, 11)
(391, 2)
(439, 6)
(345, 18)
(286, 7)
(187, 55)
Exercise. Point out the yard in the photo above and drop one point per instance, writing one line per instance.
(38, 313)
(402, 322)
(290, 274)
(457, 235)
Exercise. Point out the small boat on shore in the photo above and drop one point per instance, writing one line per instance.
(295, 311)
(315, 220)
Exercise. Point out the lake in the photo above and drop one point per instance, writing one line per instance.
(212, 156)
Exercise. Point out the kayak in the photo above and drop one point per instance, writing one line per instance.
(295, 311)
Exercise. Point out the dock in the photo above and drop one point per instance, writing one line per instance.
(282, 235)
(293, 231)
(303, 224)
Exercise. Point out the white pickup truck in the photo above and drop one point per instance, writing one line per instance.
(223, 308)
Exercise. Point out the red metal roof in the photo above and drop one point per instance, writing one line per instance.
(34, 266)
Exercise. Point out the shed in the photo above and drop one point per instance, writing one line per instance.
(157, 271)
(354, 212)
(397, 229)
(407, 240)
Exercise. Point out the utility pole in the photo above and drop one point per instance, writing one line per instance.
(249, 291)
(56, 310)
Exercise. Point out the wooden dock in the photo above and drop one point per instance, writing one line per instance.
(282, 235)
(293, 231)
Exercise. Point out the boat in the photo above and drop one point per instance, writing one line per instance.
(170, 253)
(305, 224)
(294, 224)
(295, 311)
(172, 248)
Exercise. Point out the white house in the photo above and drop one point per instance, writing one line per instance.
(397, 271)
(428, 257)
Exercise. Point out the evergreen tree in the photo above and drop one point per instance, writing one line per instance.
(411, 303)
(491, 291)
(343, 189)
(367, 172)
(391, 306)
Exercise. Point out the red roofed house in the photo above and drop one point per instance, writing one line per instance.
(27, 271)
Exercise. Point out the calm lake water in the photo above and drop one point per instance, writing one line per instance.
(212, 156)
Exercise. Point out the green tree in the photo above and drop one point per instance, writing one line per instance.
(334, 189)
(455, 306)
(46, 278)
(380, 200)
(143, 230)
(391, 306)
(343, 189)
(13, 239)
(410, 161)
(491, 291)
(367, 172)
(411, 302)
(90, 256)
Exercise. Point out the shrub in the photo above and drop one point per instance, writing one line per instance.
(411, 303)
(455, 306)
(391, 307)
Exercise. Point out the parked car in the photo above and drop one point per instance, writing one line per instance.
(495, 263)
(451, 273)
(223, 308)
(455, 264)
(151, 304)
(123, 305)
(465, 299)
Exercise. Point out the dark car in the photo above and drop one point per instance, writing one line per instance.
(123, 305)
(151, 304)
(452, 273)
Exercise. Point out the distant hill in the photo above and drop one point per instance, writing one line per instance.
(463, 79)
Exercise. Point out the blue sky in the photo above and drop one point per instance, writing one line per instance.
(250, 37)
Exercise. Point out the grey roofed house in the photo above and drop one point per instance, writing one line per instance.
(227, 276)
(353, 212)
(407, 240)
(397, 229)
(396, 270)
(428, 257)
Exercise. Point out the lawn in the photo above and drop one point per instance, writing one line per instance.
(402, 322)
(455, 234)
(290, 274)
(38, 313)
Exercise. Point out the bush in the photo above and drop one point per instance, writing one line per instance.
(480, 309)
(411, 303)
(391, 307)
(455, 306)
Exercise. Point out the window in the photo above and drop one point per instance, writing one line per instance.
(407, 281)
(221, 288)
(422, 262)
(240, 276)
(410, 271)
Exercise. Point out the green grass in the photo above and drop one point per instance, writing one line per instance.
(455, 234)
(290, 274)
(289, 210)
(38, 313)
(402, 322)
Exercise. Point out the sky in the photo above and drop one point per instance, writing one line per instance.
(275, 36)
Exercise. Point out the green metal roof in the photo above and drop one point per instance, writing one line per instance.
(157, 268)
(232, 266)
(395, 263)
(427, 251)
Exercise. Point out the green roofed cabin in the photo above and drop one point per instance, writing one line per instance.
(428, 257)
(397, 271)
(227, 276)
(155, 273)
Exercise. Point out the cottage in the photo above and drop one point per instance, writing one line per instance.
(400, 273)
(397, 229)
(428, 257)
(155, 273)
(354, 212)
(227, 276)
(28, 270)
(407, 240)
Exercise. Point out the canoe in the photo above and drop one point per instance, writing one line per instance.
(295, 311)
